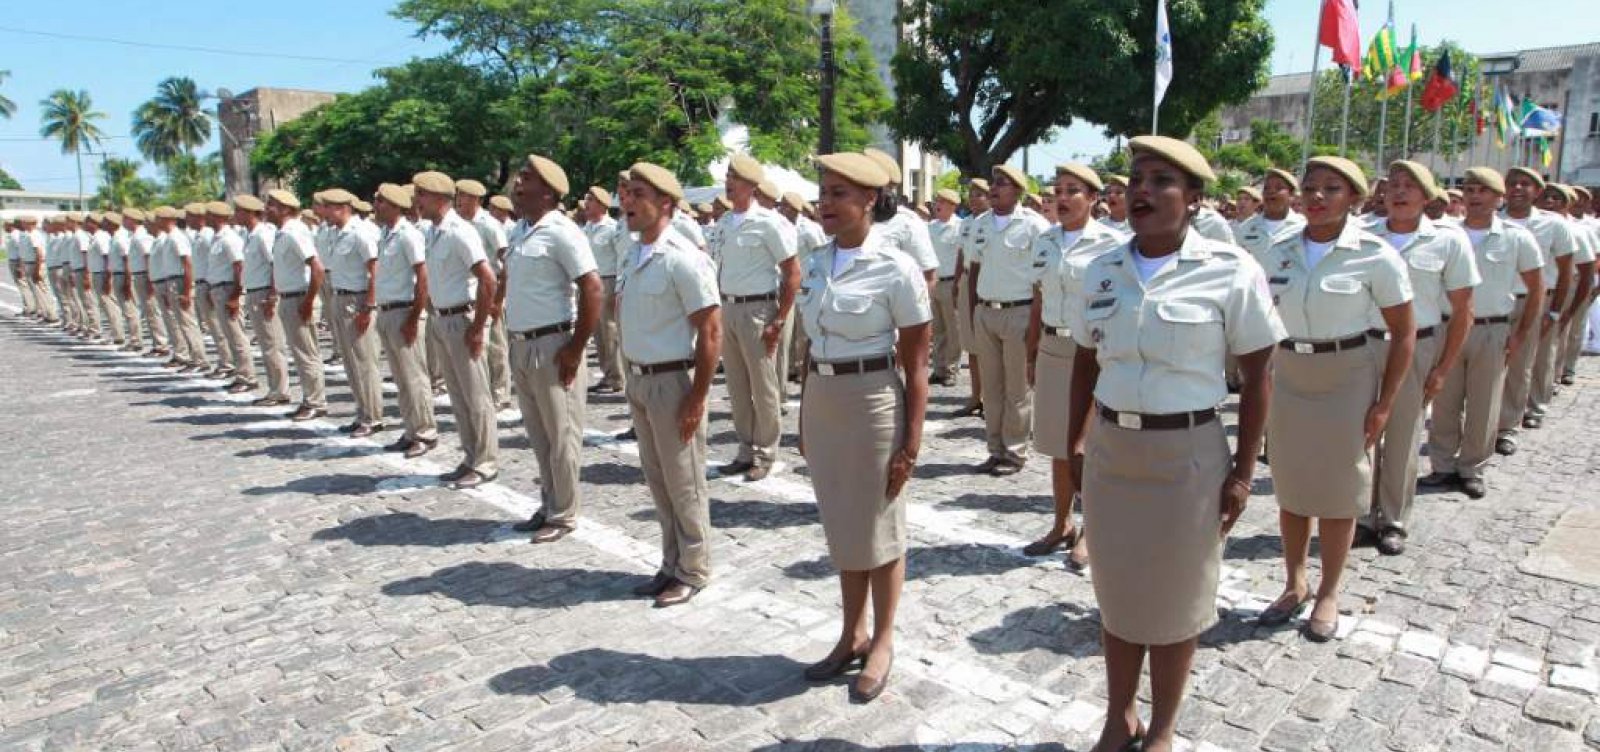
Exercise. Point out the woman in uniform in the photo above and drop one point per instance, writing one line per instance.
(1329, 408)
(1063, 249)
(1160, 489)
(865, 307)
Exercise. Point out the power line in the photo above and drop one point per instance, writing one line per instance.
(24, 139)
(190, 48)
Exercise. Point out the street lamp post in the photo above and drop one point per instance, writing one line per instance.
(824, 11)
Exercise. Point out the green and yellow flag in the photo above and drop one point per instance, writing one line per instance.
(1381, 55)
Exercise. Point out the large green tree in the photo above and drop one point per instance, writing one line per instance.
(1455, 119)
(190, 178)
(7, 182)
(121, 186)
(7, 107)
(173, 122)
(70, 117)
(981, 79)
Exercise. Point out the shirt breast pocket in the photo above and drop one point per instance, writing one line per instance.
(852, 317)
(1427, 262)
(1100, 319)
(1193, 330)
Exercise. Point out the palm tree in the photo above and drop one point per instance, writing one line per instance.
(121, 186)
(69, 117)
(173, 122)
(7, 107)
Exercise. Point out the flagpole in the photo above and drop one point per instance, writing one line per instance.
(1405, 136)
(1311, 102)
(1344, 117)
(1383, 130)
(1438, 125)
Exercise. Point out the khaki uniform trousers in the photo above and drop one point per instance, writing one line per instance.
(300, 333)
(269, 337)
(43, 304)
(783, 357)
(327, 303)
(1543, 386)
(433, 361)
(552, 415)
(58, 291)
(110, 312)
(150, 308)
(24, 290)
(1462, 432)
(410, 373)
(232, 339)
(186, 324)
(676, 474)
(360, 353)
(127, 306)
(752, 379)
(1395, 456)
(212, 323)
(608, 339)
(499, 361)
(204, 320)
(468, 380)
(1519, 374)
(88, 309)
(1000, 340)
(1572, 341)
(947, 342)
(169, 320)
(72, 289)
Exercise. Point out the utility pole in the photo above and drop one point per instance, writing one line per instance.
(824, 10)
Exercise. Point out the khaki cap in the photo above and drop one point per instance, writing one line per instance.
(1181, 154)
(887, 163)
(1251, 191)
(337, 197)
(317, 197)
(551, 173)
(219, 209)
(111, 216)
(1581, 193)
(946, 194)
(1566, 193)
(395, 194)
(1346, 169)
(624, 176)
(1420, 173)
(167, 212)
(434, 182)
(978, 184)
(1487, 177)
(723, 202)
(1537, 178)
(500, 202)
(1012, 174)
(600, 194)
(132, 213)
(684, 206)
(791, 199)
(93, 216)
(471, 188)
(769, 189)
(658, 177)
(249, 203)
(745, 167)
(1453, 193)
(308, 215)
(1121, 180)
(198, 207)
(361, 206)
(1285, 176)
(284, 197)
(702, 208)
(859, 169)
(1081, 172)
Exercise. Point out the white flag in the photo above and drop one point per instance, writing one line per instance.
(1163, 52)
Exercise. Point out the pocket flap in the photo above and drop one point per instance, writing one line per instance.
(851, 303)
(1179, 312)
(1341, 285)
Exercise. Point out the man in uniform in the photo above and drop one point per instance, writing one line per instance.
(946, 230)
(1116, 198)
(100, 279)
(461, 289)
(1277, 220)
(671, 326)
(162, 267)
(1461, 434)
(260, 237)
(808, 238)
(1573, 345)
(204, 235)
(76, 244)
(352, 266)
(173, 244)
(504, 212)
(1246, 203)
(547, 262)
(1558, 199)
(402, 284)
(600, 231)
(31, 245)
(1003, 270)
(977, 204)
(492, 233)
(140, 279)
(297, 280)
(1523, 402)
(121, 288)
(225, 282)
(758, 277)
(13, 249)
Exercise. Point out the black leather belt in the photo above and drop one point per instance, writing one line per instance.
(1483, 320)
(950, 278)
(453, 310)
(612, 277)
(201, 282)
(393, 305)
(258, 289)
(651, 369)
(1158, 422)
(1423, 333)
(1001, 305)
(337, 291)
(849, 367)
(295, 294)
(1317, 348)
(544, 331)
(763, 298)
(140, 274)
(221, 285)
(1058, 331)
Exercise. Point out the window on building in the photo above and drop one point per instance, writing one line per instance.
(1594, 125)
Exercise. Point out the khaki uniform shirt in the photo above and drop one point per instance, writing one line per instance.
(946, 244)
(454, 248)
(1061, 280)
(750, 248)
(907, 233)
(1439, 260)
(258, 256)
(1256, 235)
(78, 249)
(808, 236)
(350, 250)
(657, 290)
(292, 250)
(1555, 240)
(1212, 225)
(30, 244)
(603, 244)
(689, 229)
(1505, 252)
(400, 249)
(227, 248)
(200, 253)
(1009, 265)
(1162, 343)
(493, 236)
(140, 247)
(99, 251)
(543, 262)
(858, 312)
(1336, 299)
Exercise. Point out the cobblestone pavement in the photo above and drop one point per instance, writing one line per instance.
(186, 572)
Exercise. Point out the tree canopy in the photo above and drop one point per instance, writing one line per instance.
(1365, 112)
(172, 122)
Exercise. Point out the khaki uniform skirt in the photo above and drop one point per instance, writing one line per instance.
(1320, 464)
(1153, 500)
(1052, 380)
(851, 426)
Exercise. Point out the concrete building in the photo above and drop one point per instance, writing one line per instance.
(15, 203)
(245, 118)
(879, 22)
(1563, 79)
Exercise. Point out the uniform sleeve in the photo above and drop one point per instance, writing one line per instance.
(366, 246)
(695, 281)
(494, 234)
(1460, 264)
(411, 245)
(1252, 321)
(1583, 244)
(180, 246)
(908, 301)
(469, 248)
(304, 246)
(969, 243)
(921, 245)
(781, 242)
(574, 254)
(1390, 282)
(235, 248)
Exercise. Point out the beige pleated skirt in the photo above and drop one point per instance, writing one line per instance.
(1153, 500)
(851, 425)
(1052, 380)
(1320, 464)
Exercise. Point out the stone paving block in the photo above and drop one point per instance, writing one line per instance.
(1565, 709)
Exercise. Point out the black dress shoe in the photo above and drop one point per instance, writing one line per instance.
(531, 524)
(1392, 542)
(420, 447)
(676, 593)
(349, 427)
(473, 479)
(269, 401)
(987, 466)
(1006, 468)
(628, 435)
(968, 411)
(1531, 421)
(1440, 480)
(865, 690)
(456, 474)
(400, 445)
(736, 467)
(1365, 537)
(364, 430)
(831, 667)
(654, 586)
(306, 413)
(550, 534)
(759, 472)
(1505, 446)
(1474, 488)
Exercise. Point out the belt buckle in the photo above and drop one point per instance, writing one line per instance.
(1130, 421)
(1304, 348)
(637, 369)
(826, 369)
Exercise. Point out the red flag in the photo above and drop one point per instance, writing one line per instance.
(1441, 86)
(1340, 32)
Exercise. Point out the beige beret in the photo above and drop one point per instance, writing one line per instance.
(551, 173)
(1420, 173)
(978, 184)
(684, 206)
(1566, 193)
(1285, 176)
(500, 202)
(219, 209)
(745, 167)
(723, 202)
(769, 189)
(395, 194)
(1537, 178)
(946, 194)
(361, 206)
(1081, 172)
(1487, 177)
(198, 207)
(600, 194)
(1251, 191)
(1012, 174)
(859, 169)
(248, 203)
(792, 200)
(624, 176)
(167, 212)
(1121, 180)
(93, 216)
(471, 188)
(886, 163)
(434, 182)
(1453, 193)
(1181, 154)
(702, 208)
(132, 213)
(658, 177)
(1581, 193)
(1347, 169)
(308, 215)
(113, 217)
(284, 197)
(337, 197)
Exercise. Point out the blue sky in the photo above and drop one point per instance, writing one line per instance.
(269, 37)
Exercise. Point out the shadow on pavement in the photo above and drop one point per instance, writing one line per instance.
(750, 515)
(614, 677)
(1062, 628)
(408, 529)
(512, 585)
(1002, 503)
(842, 745)
(964, 559)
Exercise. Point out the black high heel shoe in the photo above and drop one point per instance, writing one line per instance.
(830, 667)
(865, 694)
